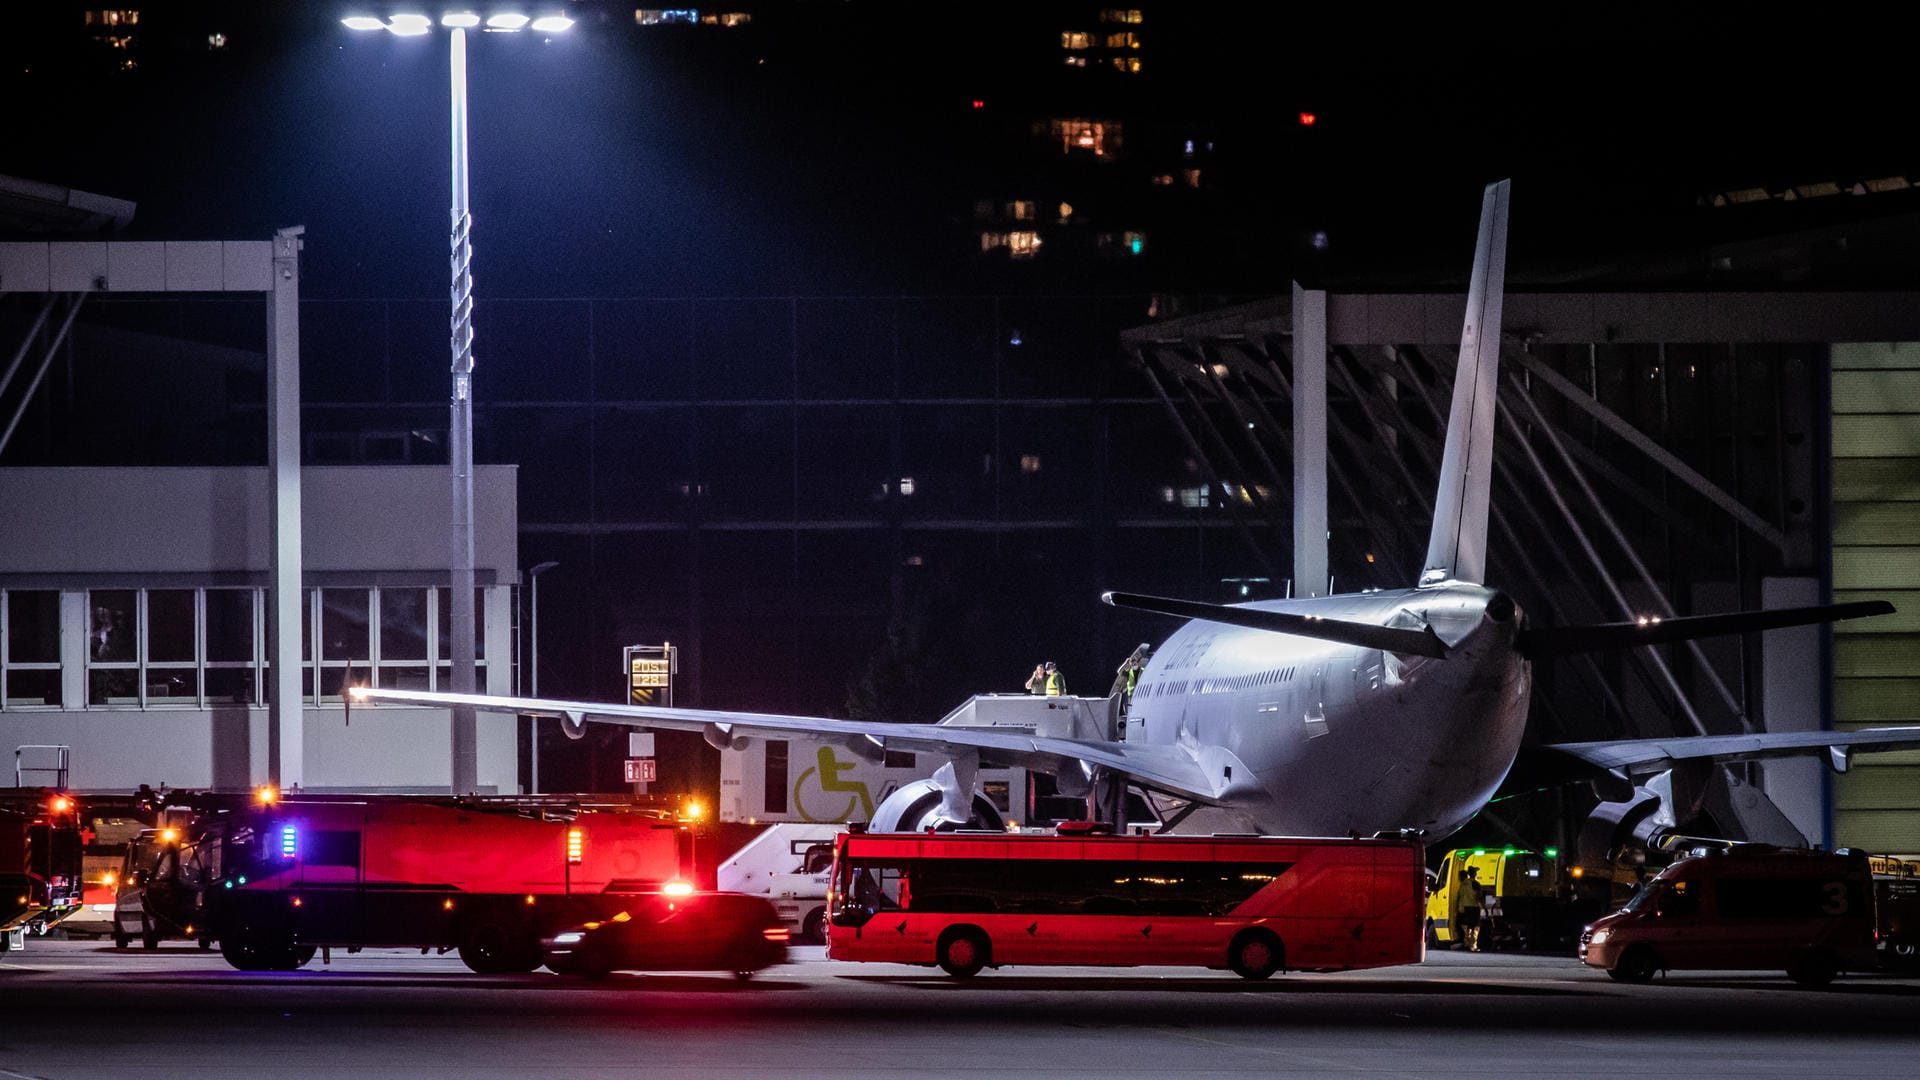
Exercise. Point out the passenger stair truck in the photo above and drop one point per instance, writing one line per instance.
(489, 878)
(791, 864)
(1490, 898)
(40, 862)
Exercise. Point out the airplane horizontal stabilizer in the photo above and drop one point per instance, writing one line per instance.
(1650, 755)
(1547, 641)
(1421, 642)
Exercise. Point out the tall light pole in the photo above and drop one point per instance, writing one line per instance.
(533, 575)
(464, 775)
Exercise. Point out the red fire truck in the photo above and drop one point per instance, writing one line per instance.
(1254, 905)
(274, 882)
(40, 863)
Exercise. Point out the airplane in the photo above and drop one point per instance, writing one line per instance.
(1368, 713)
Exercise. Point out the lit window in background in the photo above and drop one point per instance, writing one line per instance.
(1020, 210)
(1128, 64)
(1023, 244)
(1073, 39)
(1101, 137)
(1130, 16)
(1029, 463)
(216, 41)
(1126, 39)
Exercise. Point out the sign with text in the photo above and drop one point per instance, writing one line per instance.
(641, 770)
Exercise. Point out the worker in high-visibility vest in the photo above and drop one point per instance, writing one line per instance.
(1128, 677)
(1046, 679)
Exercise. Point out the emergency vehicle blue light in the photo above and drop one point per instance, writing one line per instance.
(288, 842)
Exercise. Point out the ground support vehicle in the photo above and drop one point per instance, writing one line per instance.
(1896, 912)
(791, 865)
(490, 878)
(1254, 905)
(40, 862)
(1492, 898)
(1749, 907)
(678, 930)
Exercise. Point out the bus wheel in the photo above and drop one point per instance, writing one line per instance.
(962, 951)
(1817, 968)
(1255, 954)
(121, 940)
(813, 929)
(149, 937)
(249, 949)
(1636, 965)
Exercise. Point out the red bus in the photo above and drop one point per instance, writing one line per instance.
(1254, 905)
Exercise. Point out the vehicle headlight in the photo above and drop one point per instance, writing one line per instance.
(571, 937)
(1599, 938)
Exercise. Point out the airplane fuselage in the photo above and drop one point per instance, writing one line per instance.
(1342, 739)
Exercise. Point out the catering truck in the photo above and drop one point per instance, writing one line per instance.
(276, 881)
(40, 862)
(791, 865)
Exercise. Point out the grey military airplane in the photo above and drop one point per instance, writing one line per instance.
(1349, 714)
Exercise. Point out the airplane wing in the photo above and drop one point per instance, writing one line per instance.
(1182, 771)
(1653, 755)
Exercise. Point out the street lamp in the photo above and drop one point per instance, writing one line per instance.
(464, 776)
(533, 575)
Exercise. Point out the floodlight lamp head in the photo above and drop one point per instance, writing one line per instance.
(507, 22)
(409, 25)
(363, 22)
(460, 20)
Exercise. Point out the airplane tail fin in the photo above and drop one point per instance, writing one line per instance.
(1458, 547)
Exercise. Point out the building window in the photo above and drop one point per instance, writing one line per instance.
(1101, 138)
(1020, 210)
(665, 16)
(1128, 16)
(172, 672)
(232, 656)
(1074, 39)
(1019, 244)
(443, 599)
(122, 17)
(1126, 39)
(1077, 61)
(113, 647)
(402, 640)
(29, 648)
(1029, 463)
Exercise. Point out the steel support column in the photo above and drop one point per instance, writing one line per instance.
(1309, 441)
(286, 728)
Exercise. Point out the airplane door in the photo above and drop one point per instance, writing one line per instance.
(1315, 704)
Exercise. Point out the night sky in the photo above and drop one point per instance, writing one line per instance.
(832, 147)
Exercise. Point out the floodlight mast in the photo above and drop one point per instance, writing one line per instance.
(463, 776)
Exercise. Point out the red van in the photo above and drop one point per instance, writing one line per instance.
(1753, 907)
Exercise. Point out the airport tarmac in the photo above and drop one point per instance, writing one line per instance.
(73, 1009)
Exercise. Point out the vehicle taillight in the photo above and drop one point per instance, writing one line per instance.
(576, 844)
(775, 933)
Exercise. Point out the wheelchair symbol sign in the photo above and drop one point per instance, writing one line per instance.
(823, 780)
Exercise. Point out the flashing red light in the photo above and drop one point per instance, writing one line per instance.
(978, 104)
(1308, 119)
(61, 804)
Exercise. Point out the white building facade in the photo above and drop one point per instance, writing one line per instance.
(132, 624)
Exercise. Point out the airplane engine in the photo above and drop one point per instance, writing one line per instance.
(915, 807)
(573, 725)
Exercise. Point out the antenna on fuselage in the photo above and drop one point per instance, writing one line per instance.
(1457, 549)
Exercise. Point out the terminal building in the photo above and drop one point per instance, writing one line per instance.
(133, 605)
